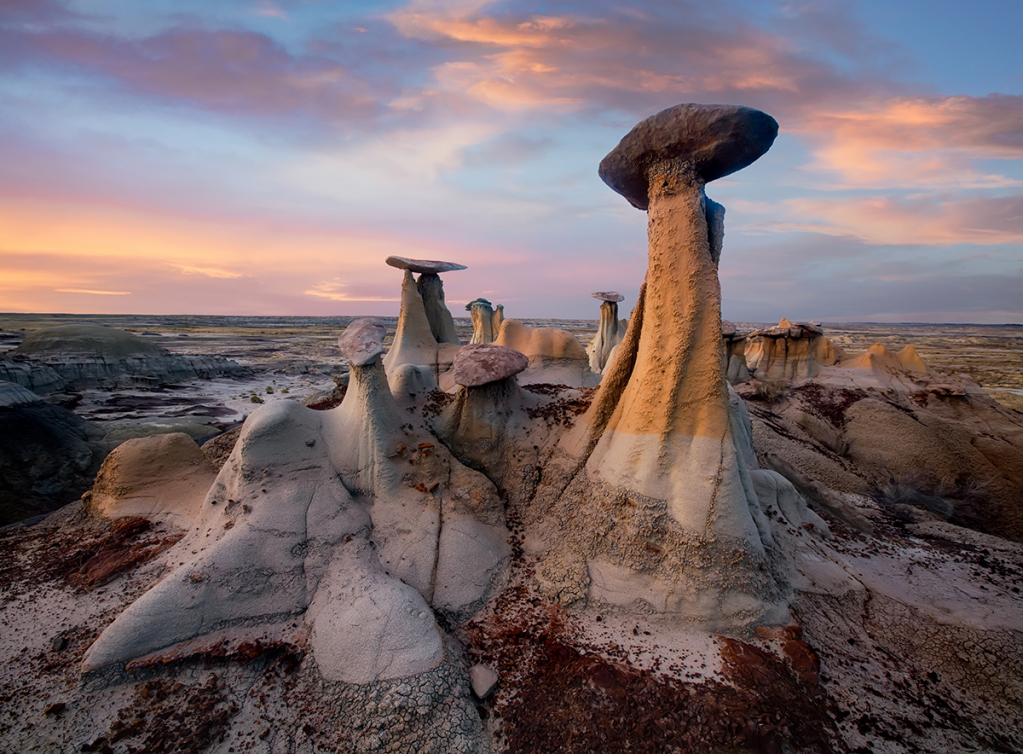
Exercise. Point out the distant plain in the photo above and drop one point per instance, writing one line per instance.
(299, 356)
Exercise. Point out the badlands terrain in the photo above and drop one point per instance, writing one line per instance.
(658, 532)
(871, 668)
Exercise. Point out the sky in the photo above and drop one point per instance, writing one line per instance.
(263, 157)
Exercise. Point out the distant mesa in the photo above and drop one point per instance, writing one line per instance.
(93, 355)
(92, 341)
(715, 140)
(613, 296)
(423, 266)
(483, 363)
(363, 340)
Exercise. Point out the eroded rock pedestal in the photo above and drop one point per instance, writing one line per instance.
(610, 331)
(661, 508)
(425, 336)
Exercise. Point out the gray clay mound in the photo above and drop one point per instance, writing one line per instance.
(86, 340)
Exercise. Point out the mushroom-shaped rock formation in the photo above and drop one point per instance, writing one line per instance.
(158, 476)
(431, 290)
(555, 356)
(483, 316)
(416, 339)
(490, 425)
(790, 351)
(660, 506)
(482, 364)
(423, 266)
(610, 331)
(363, 341)
(735, 353)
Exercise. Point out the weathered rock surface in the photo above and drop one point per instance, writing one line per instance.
(414, 341)
(736, 369)
(91, 355)
(483, 314)
(48, 456)
(484, 363)
(790, 351)
(656, 458)
(30, 374)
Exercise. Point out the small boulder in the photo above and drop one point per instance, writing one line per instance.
(152, 476)
(483, 680)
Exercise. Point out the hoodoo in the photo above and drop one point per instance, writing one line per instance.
(486, 320)
(609, 333)
(426, 331)
(660, 507)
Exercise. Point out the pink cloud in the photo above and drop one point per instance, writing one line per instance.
(914, 221)
(226, 71)
(917, 141)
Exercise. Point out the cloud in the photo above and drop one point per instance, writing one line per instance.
(232, 72)
(334, 290)
(926, 142)
(210, 272)
(926, 220)
(93, 293)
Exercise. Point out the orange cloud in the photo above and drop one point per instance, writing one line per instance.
(93, 293)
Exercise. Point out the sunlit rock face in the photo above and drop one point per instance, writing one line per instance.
(790, 351)
(662, 506)
(555, 356)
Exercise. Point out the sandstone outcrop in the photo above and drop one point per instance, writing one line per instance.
(95, 356)
(878, 359)
(663, 503)
(610, 331)
(736, 369)
(555, 356)
(161, 476)
(790, 351)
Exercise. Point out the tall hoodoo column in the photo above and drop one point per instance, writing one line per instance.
(609, 332)
(689, 535)
(426, 330)
(483, 317)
